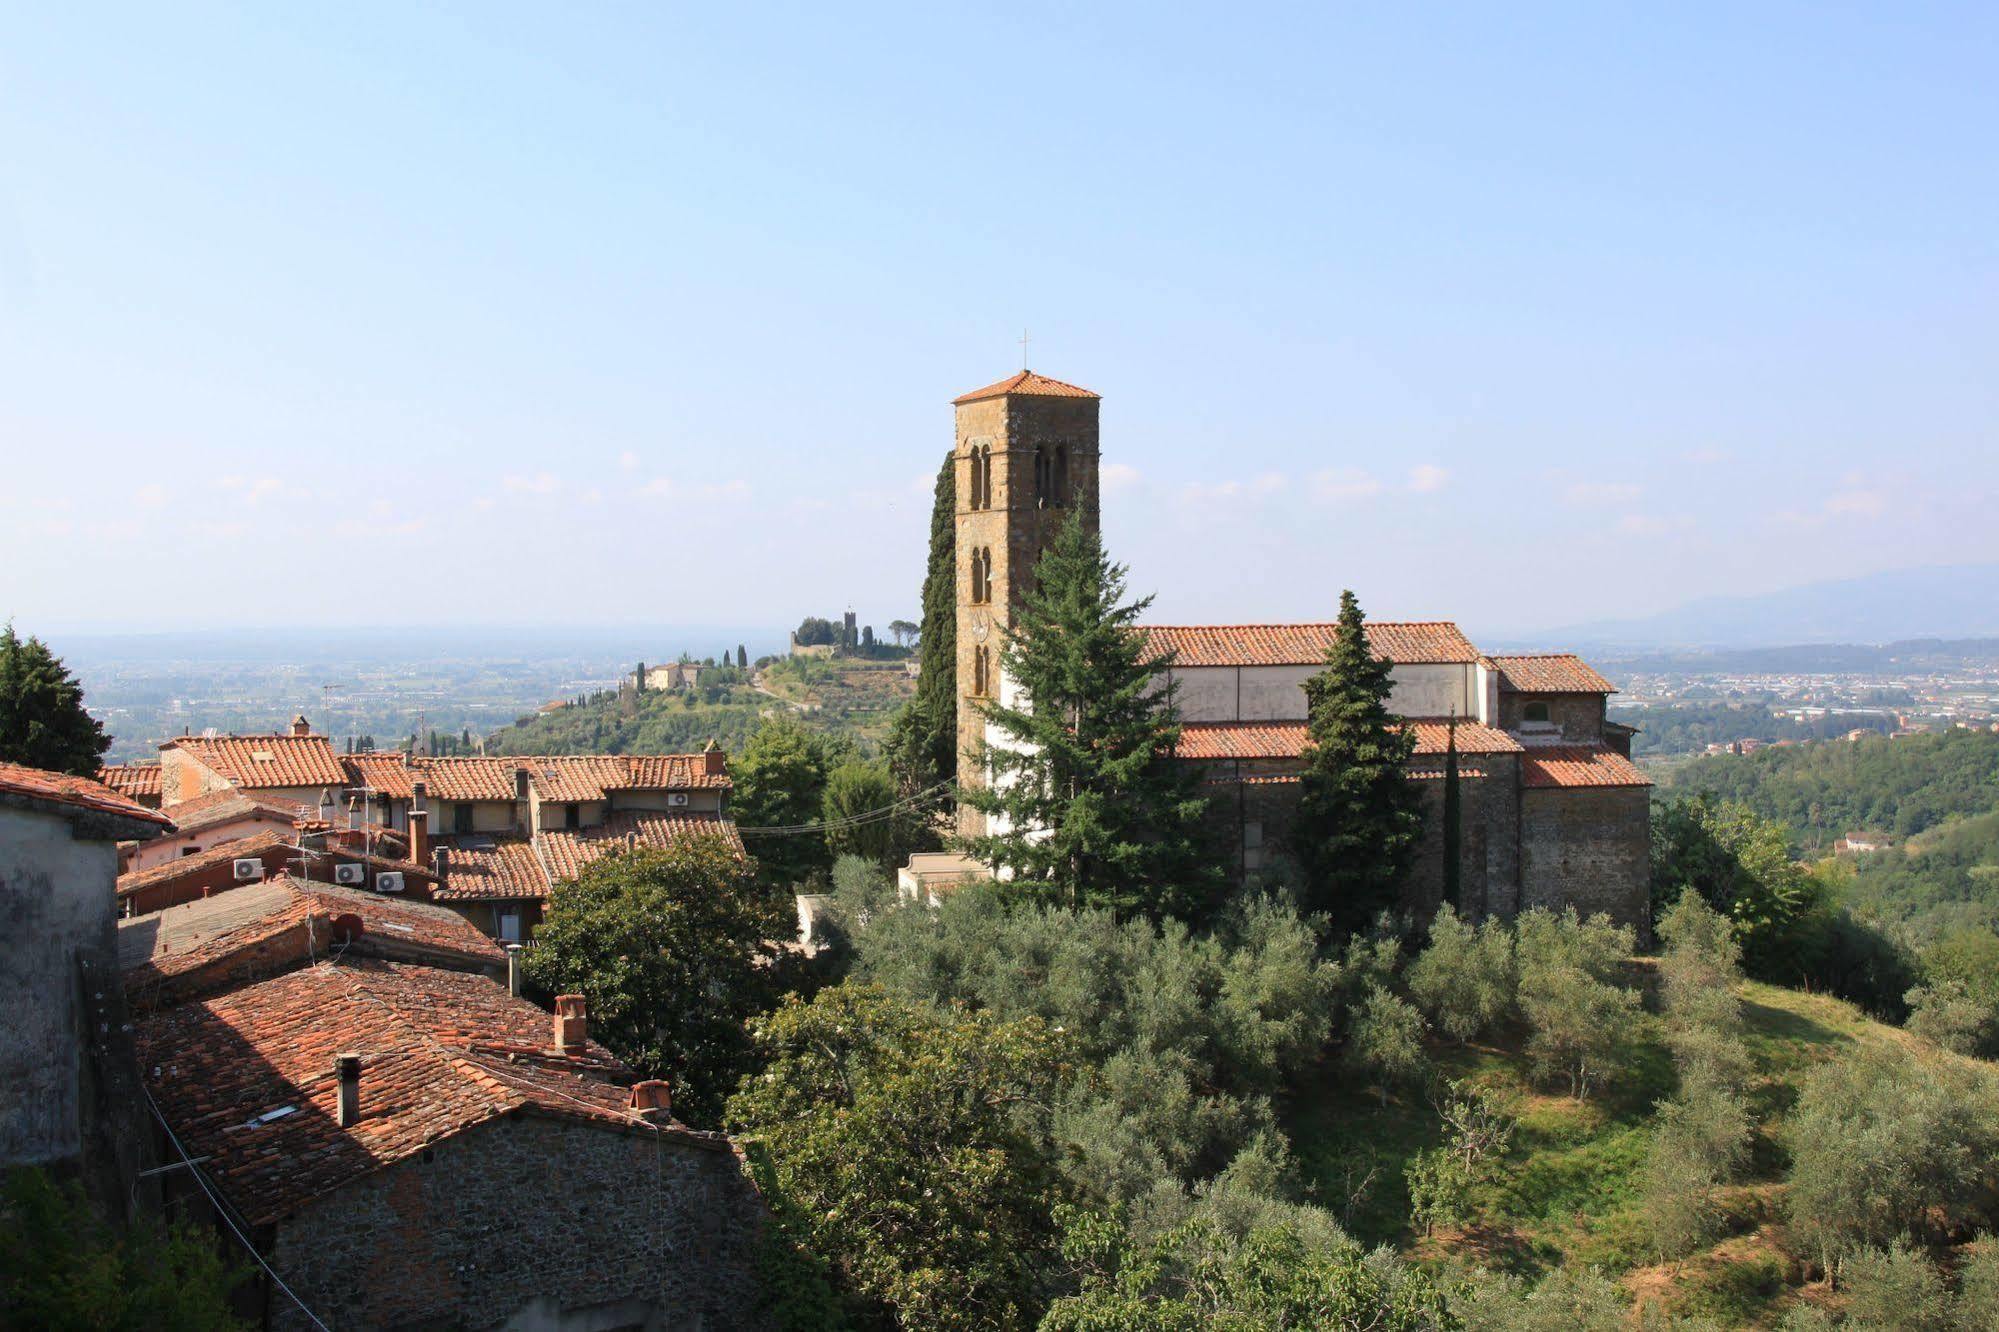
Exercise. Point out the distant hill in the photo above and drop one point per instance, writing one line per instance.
(1953, 601)
(1913, 654)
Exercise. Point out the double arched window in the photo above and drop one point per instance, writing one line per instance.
(982, 575)
(982, 477)
(1051, 475)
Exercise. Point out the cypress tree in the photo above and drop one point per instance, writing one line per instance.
(1097, 813)
(1359, 817)
(1453, 819)
(43, 723)
(923, 745)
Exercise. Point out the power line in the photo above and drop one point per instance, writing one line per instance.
(907, 804)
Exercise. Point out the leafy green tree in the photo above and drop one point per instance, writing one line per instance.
(1580, 1019)
(1741, 866)
(668, 946)
(1444, 1180)
(43, 723)
(909, 1147)
(1385, 1041)
(1197, 1278)
(1091, 811)
(780, 782)
(62, 1267)
(923, 742)
(1464, 979)
(1947, 1013)
(1886, 1145)
(860, 813)
(1359, 820)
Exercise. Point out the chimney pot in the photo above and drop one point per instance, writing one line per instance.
(520, 783)
(714, 762)
(653, 1099)
(515, 956)
(347, 1070)
(419, 795)
(572, 1022)
(440, 865)
(300, 726)
(420, 836)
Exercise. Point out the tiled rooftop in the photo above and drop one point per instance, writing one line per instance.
(483, 868)
(1550, 673)
(567, 851)
(1545, 766)
(1287, 740)
(247, 1078)
(256, 845)
(82, 794)
(135, 781)
(253, 761)
(218, 807)
(1026, 384)
(1413, 643)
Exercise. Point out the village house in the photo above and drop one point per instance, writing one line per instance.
(406, 1141)
(208, 821)
(68, 1082)
(1554, 813)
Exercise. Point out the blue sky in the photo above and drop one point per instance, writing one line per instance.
(591, 315)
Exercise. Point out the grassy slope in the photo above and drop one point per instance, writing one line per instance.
(1570, 1193)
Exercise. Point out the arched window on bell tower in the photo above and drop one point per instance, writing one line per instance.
(1060, 479)
(981, 671)
(981, 478)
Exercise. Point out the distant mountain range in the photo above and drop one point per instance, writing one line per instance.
(1957, 602)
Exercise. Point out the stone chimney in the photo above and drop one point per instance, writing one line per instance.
(419, 795)
(572, 1022)
(653, 1100)
(713, 761)
(516, 955)
(440, 865)
(420, 836)
(300, 726)
(521, 784)
(347, 1069)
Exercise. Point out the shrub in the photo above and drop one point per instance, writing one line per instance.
(1464, 980)
(1581, 1021)
(1947, 1013)
(1385, 1041)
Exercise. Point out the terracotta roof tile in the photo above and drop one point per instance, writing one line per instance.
(467, 778)
(1025, 384)
(1546, 766)
(253, 761)
(386, 771)
(1286, 740)
(1414, 643)
(566, 851)
(79, 794)
(256, 845)
(246, 1079)
(489, 868)
(219, 807)
(135, 781)
(1550, 673)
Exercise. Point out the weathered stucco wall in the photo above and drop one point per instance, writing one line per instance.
(1588, 848)
(1578, 717)
(531, 1222)
(1277, 693)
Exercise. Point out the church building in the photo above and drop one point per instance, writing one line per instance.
(1553, 811)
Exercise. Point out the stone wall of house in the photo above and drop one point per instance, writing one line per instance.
(531, 1222)
(1579, 717)
(1587, 847)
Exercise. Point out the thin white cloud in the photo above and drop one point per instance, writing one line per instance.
(1427, 477)
(252, 489)
(150, 497)
(1257, 487)
(1590, 493)
(540, 483)
(1115, 477)
(1856, 504)
(1706, 454)
(628, 460)
(1344, 483)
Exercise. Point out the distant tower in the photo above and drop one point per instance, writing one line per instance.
(1026, 455)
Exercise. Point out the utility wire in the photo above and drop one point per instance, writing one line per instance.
(908, 804)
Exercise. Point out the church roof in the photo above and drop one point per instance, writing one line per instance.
(1547, 766)
(1287, 739)
(1550, 673)
(1409, 643)
(1025, 384)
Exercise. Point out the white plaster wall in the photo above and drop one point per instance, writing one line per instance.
(1277, 693)
(57, 895)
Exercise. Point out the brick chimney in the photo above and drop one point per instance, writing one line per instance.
(347, 1070)
(713, 761)
(300, 726)
(572, 1022)
(653, 1100)
(420, 836)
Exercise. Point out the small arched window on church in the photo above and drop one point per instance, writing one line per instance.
(1535, 713)
(986, 477)
(1059, 479)
(975, 496)
(982, 575)
(981, 665)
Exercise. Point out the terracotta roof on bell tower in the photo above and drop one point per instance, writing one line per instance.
(1025, 384)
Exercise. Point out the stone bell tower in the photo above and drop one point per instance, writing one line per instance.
(1026, 455)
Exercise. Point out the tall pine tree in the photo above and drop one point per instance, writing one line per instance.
(1095, 812)
(42, 720)
(1359, 818)
(1453, 821)
(923, 744)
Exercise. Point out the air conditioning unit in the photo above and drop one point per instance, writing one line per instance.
(676, 798)
(389, 881)
(249, 871)
(352, 875)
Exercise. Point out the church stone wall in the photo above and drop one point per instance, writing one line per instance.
(1587, 847)
(1277, 693)
(1579, 717)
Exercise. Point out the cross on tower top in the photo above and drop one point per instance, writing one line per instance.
(1023, 349)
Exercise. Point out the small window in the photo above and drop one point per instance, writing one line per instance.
(190, 850)
(508, 922)
(981, 672)
(571, 816)
(461, 818)
(1535, 712)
